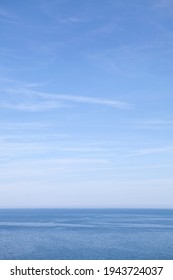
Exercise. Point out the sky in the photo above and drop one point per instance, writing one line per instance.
(86, 103)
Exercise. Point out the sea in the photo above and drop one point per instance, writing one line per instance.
(86, 234)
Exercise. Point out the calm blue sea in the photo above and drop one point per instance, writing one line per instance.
(86, 234)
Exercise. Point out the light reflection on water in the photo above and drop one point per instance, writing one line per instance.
(86, 234)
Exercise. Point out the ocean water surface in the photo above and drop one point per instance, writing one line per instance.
(58, 234)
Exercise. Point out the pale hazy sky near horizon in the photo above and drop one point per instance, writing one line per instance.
(86, 103)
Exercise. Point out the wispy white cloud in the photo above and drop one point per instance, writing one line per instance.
(166, 4)
(119, 59)
(92, 100)
(23, 125)
(107, 27)
(32, 107)
(150, 123)
(153, 150)
(155, 122)
(68, 20)
(58, 100)
(6, 80)
(26, 146)
(11, 53)
(44, 168)
(7, 17)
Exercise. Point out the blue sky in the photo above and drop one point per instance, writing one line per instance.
(86, 103)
